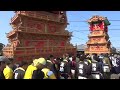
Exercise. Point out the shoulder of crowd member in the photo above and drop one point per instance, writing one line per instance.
(38, 74)
(2, 75)
(65, 60)
(93, 60)
(49, 61)
(45, 70)
(8, 73)
(51, 75)
(19, 73)
(8, 69)
(106, 59)
(19, 68)
(89, 61)
(29, 71)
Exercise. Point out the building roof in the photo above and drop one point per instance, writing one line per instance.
(81, 47)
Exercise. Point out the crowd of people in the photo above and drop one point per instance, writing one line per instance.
(80, 66)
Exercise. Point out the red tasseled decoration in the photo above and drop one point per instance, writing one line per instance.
(91, 27)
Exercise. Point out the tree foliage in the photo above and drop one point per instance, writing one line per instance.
(1, 47)
(114, 50)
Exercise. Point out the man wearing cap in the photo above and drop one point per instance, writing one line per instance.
(5, 67)
(37, 64)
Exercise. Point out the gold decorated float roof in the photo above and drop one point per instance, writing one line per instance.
(98, 18)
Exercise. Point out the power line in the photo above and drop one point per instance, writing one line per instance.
(114, 20)
(77, 21)
(89, 30)
(89, 25)
(114, 25)
(86, 21)
(78, 38)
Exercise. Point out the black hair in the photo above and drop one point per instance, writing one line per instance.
(48, 58)
(11, 59)
(38, 74)
(70, 55)
(61, 59)
(95, 54)
(2, 62)
(82, 57)
(88, 58)
(105, 55)
(57, 58)
(51, 56)
(22, 63)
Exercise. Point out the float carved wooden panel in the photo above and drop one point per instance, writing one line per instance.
(96, 32)
(51, 28)
(97, 48)
(38, 26)
(62, 43)
(96, 40)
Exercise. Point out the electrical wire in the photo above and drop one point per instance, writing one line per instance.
(89, 30)
(86, 21)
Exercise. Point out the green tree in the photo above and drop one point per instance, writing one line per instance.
(1, 47)
(114, 50)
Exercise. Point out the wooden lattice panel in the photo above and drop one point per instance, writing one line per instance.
(97, 33)
(98, 40)
(35, 25)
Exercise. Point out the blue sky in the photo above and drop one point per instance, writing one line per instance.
(80, 29)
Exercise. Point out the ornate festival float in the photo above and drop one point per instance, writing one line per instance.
(38, 34)
(98, 38)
